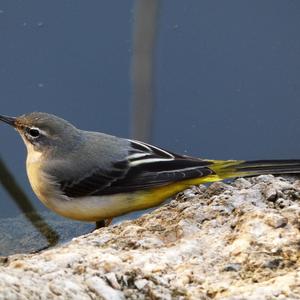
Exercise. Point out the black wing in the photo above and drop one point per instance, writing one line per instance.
(145, 167)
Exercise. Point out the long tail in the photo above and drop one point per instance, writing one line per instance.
(240, 168)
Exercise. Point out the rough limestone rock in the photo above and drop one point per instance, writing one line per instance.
(225, 241)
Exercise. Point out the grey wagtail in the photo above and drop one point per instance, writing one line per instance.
(92, 176)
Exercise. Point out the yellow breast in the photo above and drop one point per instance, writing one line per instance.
(41, 184)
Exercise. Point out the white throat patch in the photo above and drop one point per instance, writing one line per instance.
(33, 156)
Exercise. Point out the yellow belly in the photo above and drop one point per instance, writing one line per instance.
(95, 208)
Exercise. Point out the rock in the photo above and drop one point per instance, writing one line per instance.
(227, 241)
(234, 267)
(276, 221)
(140, 283)
(270, 193)
(103, 290)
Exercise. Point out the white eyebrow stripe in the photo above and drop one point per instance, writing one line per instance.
(148, 161)
(40, 130)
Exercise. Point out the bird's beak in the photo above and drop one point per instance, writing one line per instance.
(9, 120)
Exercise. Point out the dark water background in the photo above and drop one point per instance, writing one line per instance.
(226, 76)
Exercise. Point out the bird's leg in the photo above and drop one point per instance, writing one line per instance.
(108, 221)
(103, 223)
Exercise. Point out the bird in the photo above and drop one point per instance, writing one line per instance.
(94, 177)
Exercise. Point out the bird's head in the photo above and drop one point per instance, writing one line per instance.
(44, 133)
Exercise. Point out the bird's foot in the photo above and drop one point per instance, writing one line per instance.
(103, 223)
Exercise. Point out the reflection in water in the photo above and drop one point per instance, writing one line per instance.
(20, 198)
(144, 36)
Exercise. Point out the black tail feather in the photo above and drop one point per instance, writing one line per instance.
(259, 167)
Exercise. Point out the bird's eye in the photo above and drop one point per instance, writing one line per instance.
(33, 132)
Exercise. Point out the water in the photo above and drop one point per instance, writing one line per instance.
(226, 79)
